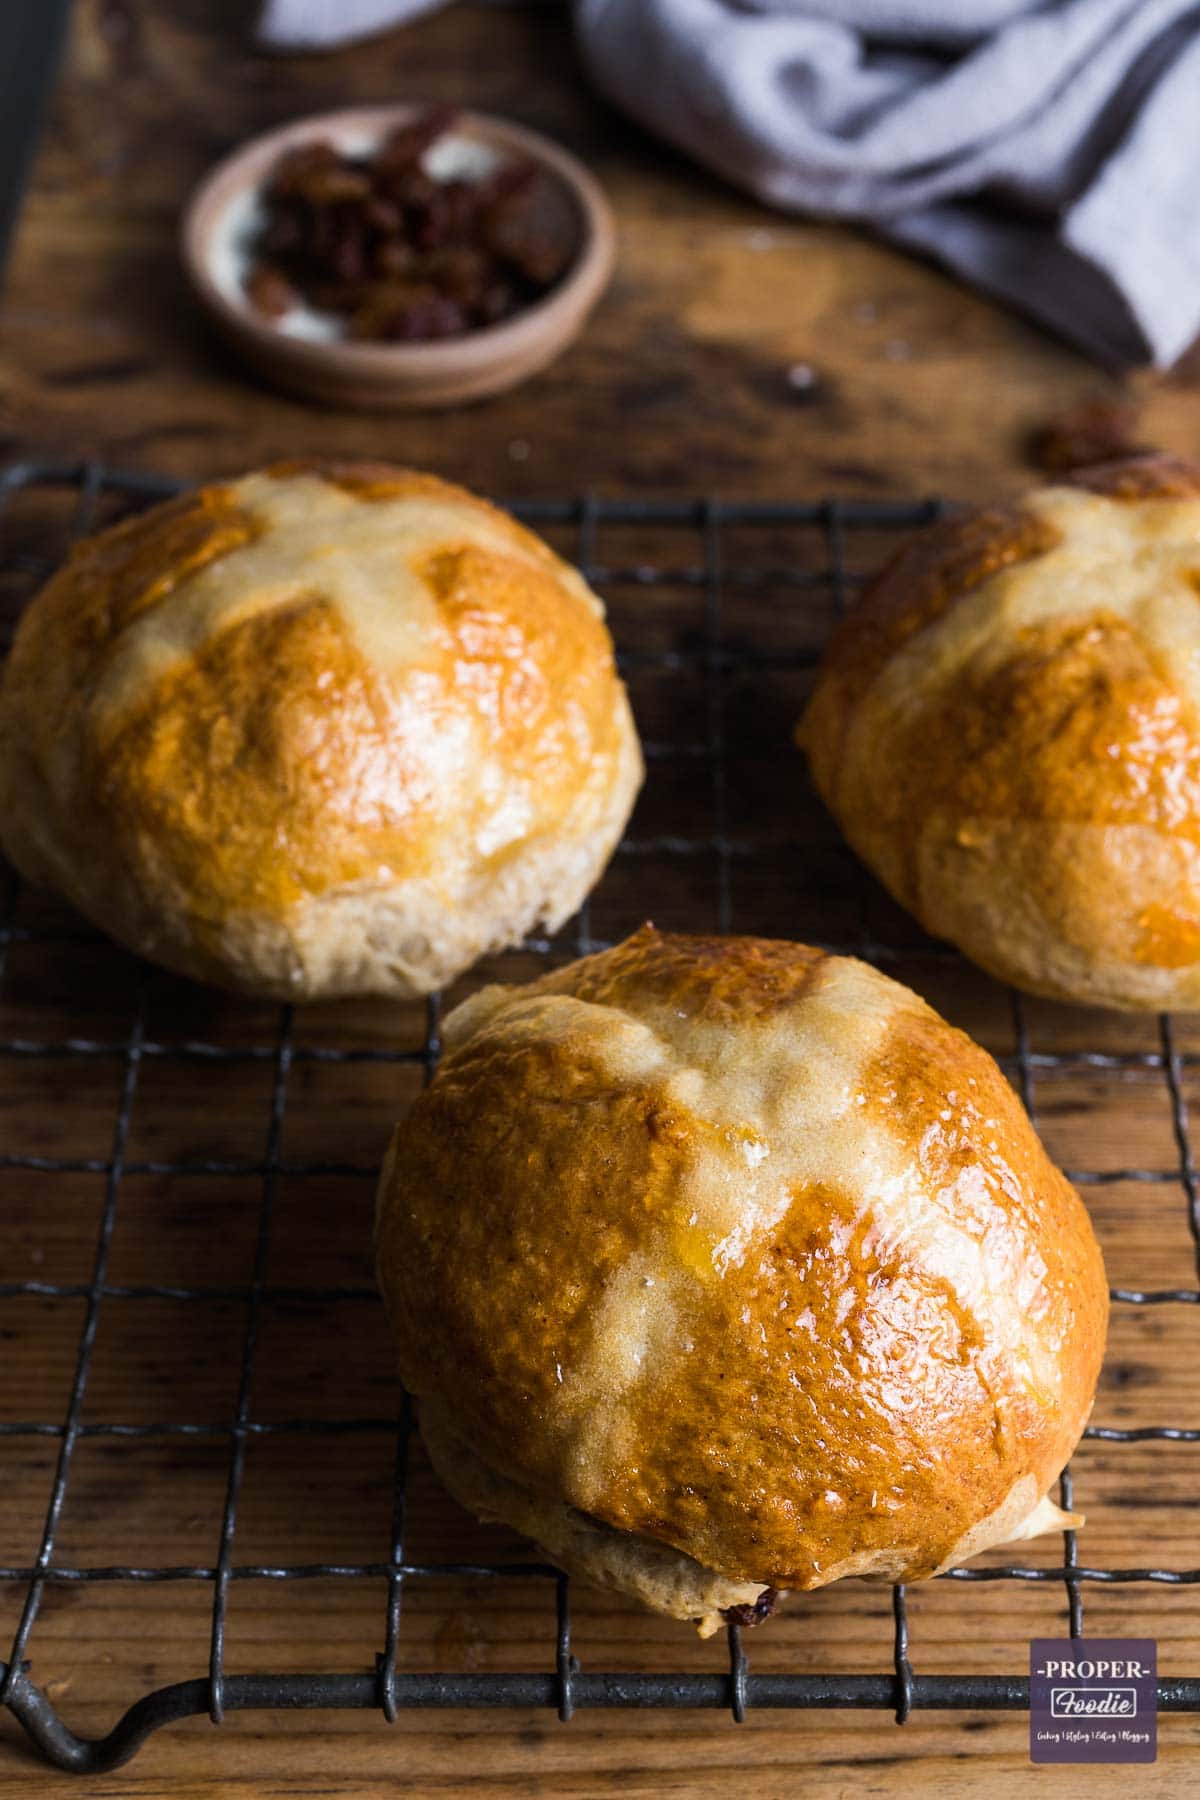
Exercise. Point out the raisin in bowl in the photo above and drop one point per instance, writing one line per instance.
(385, 257)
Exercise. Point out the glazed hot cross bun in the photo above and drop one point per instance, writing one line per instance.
(1007, 729)
(723, 1266)
(327, 729)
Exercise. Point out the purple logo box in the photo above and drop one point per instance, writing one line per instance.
(1093, 1700)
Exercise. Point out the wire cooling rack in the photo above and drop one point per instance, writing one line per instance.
(705, 616)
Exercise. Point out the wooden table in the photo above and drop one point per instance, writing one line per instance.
(685, 383)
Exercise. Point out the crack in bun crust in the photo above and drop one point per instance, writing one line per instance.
(738, 1248)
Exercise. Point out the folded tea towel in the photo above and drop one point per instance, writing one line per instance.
(323, 24)
(1045, 149)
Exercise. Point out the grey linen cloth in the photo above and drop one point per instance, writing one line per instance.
(323, 24)
(1047, 150)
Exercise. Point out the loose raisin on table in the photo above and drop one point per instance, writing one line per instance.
(1095, 430)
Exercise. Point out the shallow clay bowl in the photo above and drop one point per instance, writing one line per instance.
(222, 213)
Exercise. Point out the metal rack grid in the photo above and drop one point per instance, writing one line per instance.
(562, 1685)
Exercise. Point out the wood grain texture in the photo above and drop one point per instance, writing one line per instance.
(680, 385)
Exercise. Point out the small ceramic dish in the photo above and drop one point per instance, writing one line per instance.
(303, 355)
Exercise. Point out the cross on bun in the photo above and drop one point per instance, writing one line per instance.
(724, 1266)
(327, 729)
(1007, 729)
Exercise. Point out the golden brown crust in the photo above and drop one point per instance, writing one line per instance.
(1022, 769)
(114, 578)
(1151, 477)
(741, 1249)
(194, 770)
(318, 681)
(716, 979)
(924, 578)
(1079, 724)
(662, 1579)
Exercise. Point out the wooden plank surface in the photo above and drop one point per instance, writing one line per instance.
(681, 386)
(682, 382)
